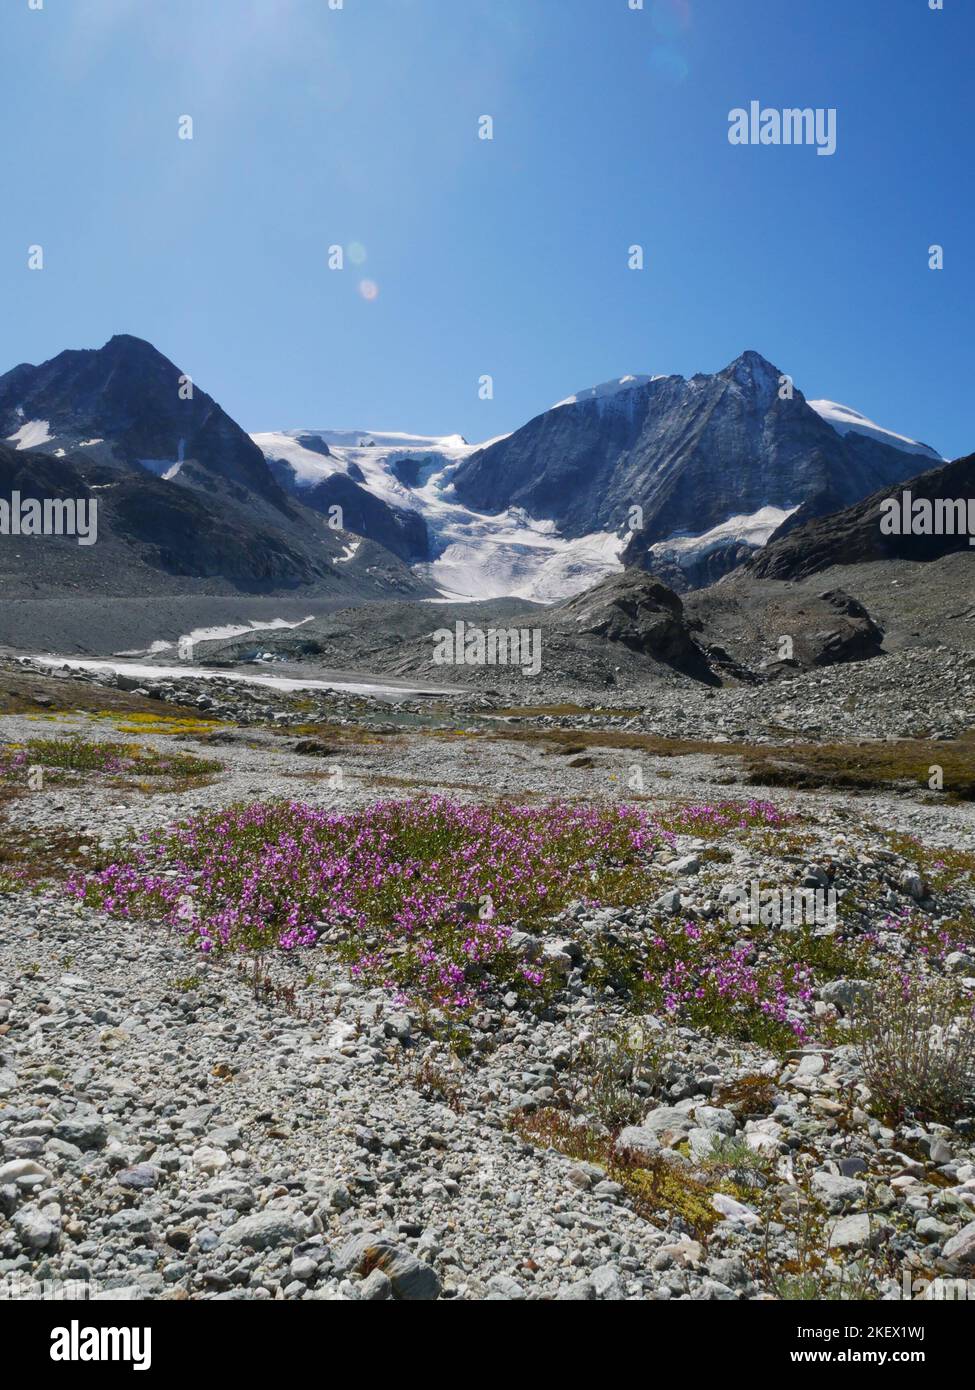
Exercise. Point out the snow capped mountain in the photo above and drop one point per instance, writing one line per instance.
(697, 458)
(385, 439)
(128, 406)
(463, 553)
(716, 463)
(683, 477)
(185, 497)
(845, 419)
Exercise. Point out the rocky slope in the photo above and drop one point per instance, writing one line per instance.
(156, 536)
(643, 615)
(807, 544)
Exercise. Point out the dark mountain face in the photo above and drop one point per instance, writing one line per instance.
(399, 530)
(186, 500)
(807, 544)
(149, 533)
(131, 399)
(691, 453)
(155, 537)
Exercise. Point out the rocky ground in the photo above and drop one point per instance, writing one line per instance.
(171, 1127)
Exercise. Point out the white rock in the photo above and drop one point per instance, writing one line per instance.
(211, 1160)
(734, 1211)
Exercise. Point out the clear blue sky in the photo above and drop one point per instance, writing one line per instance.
(316, 126)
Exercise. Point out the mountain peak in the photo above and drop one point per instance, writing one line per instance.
(124, 399)
(750, 367)
(126, 347)
(130, 342)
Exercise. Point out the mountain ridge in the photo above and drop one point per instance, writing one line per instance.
(713, 465)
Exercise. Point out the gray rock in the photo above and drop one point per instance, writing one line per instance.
(941, 1151)
(606, 1280)
(140, 1178)
(930, 1228)
(25, 1173)
(377, 1287)
(411, 1279)
(838, 1193)
(703, 1142)
(85, 1132)
(711, 1290)
(852, 1233)
(688, 866)
(667, 1120)
(504, 1289)
(580, 1292)
(639, 1140)
(961, 1248)
(713, 1117)
(267, 1230)
(670, 901)
(34, 1230)
(849, 1167)
(844, 994)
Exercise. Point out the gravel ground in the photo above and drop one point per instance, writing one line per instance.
(349, 775)
(165, 1134)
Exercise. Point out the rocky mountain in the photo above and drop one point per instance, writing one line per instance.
(715, 462)
(125, 404)
(155, 538)
(401, 530)
(185, 498)
(848, 586)
(808, 543)
(398, 488)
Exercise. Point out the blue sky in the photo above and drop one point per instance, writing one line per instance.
(358, 127)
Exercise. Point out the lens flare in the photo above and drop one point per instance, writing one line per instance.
(369, 290)
(356, 253)
(669, 65)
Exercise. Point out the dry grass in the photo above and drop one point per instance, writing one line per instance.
(657, 1191)
(32, 857)
(859, 766)
(350, 736)
(917, 1045)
